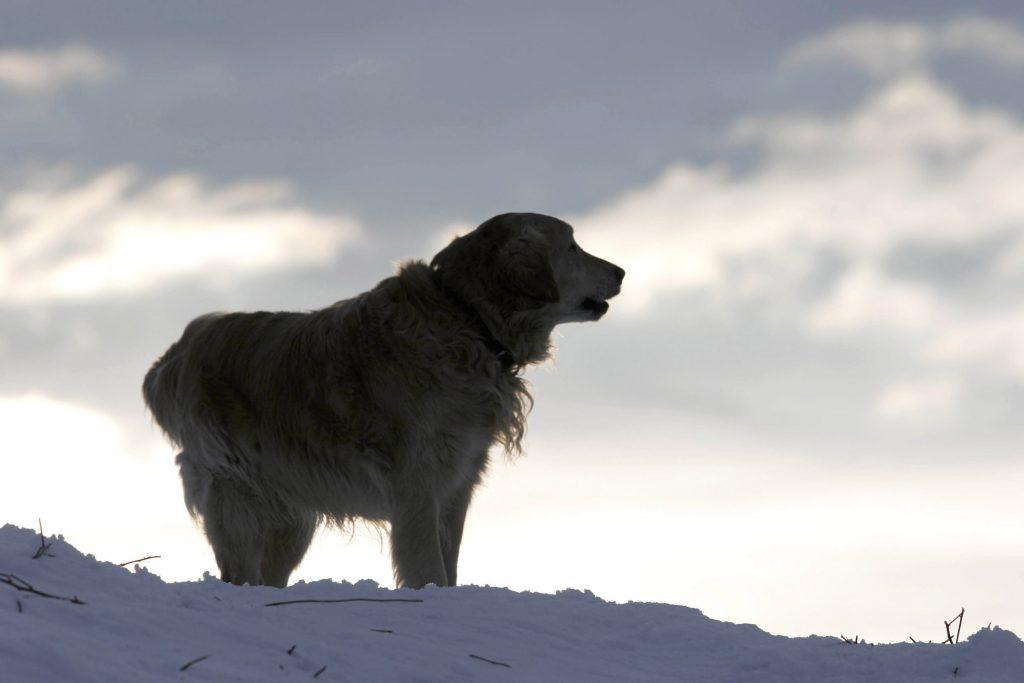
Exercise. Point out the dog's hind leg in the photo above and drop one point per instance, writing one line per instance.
(236, 524)
(231, 521)
(284, 547)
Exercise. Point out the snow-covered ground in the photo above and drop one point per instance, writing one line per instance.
(129, 625)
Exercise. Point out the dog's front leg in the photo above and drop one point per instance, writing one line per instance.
(415, 540)
(453, 519)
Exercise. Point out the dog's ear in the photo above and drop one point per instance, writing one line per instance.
(524, 269)
(458, 262)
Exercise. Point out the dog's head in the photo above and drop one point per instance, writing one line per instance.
(528, 262)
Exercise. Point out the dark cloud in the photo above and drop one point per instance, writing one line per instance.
(961, 267)
(406, 114)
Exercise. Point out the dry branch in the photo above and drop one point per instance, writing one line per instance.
(141, 559)
(22, 585)
(320, 671)
(490, 661)
(298, 602)
(44, 547)
(194, 661)
(959, 619)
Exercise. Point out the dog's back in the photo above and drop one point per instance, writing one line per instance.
(246, 394)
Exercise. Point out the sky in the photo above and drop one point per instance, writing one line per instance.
(803, 410)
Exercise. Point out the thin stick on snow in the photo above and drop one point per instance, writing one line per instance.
(141, 559)
(44, 547)
(194, 661)
(22, 585)
(320, 671)
(490, 661)
(381, 630)
(299, 602)
(960, 622)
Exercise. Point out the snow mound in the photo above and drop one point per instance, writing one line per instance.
(107, 623)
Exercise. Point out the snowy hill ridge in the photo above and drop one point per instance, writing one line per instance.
(132, 626)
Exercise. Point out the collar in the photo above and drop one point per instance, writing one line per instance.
(500, 351)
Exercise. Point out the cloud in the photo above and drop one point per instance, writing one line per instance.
(865, 298)
(885, 49)
(923, 400)
(36, 71)
(833, 229)
(912, 162)
(994, 341)
(118, 232)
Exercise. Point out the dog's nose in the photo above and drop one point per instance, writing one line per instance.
(619, 274)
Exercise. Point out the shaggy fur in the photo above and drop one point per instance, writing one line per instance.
(381, 407)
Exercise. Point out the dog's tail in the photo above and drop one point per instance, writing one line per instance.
(161, 387)
(160, 391)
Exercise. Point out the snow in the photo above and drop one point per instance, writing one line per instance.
(133, 626)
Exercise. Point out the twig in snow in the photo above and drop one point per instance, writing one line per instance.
(194, 661)
(141, 559)
(297, 602)
(959, 619)
(22, 585)
(291, 649)
(381, 630)
(956, 670)
(855, 641)
(44, 547)
(491, 661)
(320, 671)
(19, 606)
(912, 639)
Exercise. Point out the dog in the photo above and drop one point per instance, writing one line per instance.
(382, 407)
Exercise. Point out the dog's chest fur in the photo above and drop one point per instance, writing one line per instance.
(433, 397)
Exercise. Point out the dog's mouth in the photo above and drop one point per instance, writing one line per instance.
(595, 307)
